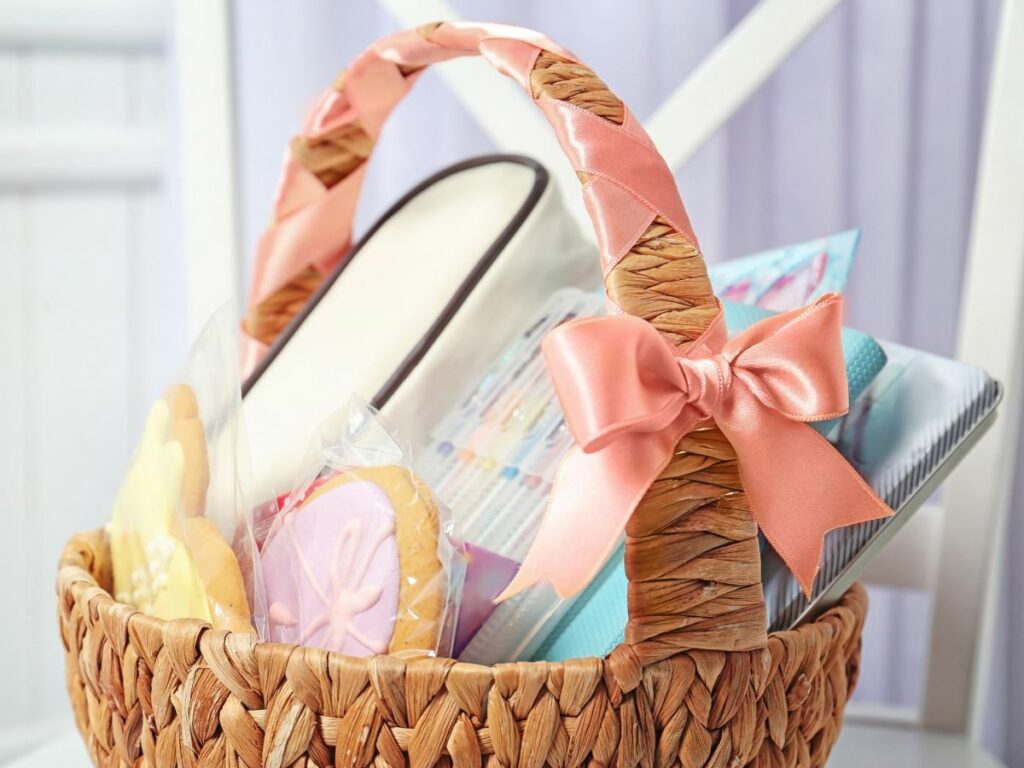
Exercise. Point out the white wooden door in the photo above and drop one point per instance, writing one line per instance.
(91, 314)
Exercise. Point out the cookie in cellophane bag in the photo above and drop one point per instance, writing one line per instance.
(362, 559)
(180, 534)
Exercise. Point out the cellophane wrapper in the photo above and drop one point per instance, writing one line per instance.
(360, 558)
(181, 535)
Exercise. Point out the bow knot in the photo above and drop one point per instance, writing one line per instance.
(707, 379)
(629, 398)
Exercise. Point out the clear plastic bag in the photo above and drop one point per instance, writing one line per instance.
(180, 535)
(361, 559)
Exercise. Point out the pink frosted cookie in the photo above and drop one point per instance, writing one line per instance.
(332, 571)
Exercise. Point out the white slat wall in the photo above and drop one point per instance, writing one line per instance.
(91, 316)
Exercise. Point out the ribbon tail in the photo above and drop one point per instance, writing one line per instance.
(799, 486)
(593, 498)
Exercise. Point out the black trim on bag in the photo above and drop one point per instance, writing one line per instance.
(417, 353)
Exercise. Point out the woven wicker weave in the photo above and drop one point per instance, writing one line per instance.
(698, 681)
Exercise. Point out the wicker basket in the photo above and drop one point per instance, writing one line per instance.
(698, 681)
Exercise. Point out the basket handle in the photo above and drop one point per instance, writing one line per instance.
(691, 555)
(626, 182)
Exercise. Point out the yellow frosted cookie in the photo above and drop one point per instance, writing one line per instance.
(220, 575)
(152, 567)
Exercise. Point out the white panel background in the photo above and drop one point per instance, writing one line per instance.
(91, 321)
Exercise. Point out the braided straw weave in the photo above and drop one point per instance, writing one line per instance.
(698, 681)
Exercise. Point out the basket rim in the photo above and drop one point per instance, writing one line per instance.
(76, 583)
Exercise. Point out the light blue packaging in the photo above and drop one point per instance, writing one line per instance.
(594, 625)
(788, 277)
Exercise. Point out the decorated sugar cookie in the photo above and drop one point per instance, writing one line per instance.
(355, 567)
(165, 564)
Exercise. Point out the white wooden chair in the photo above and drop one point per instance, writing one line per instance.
(951, 550)
(956, 551)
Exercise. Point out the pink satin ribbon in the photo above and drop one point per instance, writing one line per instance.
(629, 397)
(628, 182)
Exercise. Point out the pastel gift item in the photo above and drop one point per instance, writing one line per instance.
(592, 626)
(467, 255)
(789, 277)
(168, 565)
(491, 461)
(355, 567)
(487, 575)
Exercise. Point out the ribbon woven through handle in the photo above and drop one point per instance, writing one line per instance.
(628, 184)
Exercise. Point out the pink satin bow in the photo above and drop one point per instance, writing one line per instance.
(629, 397)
